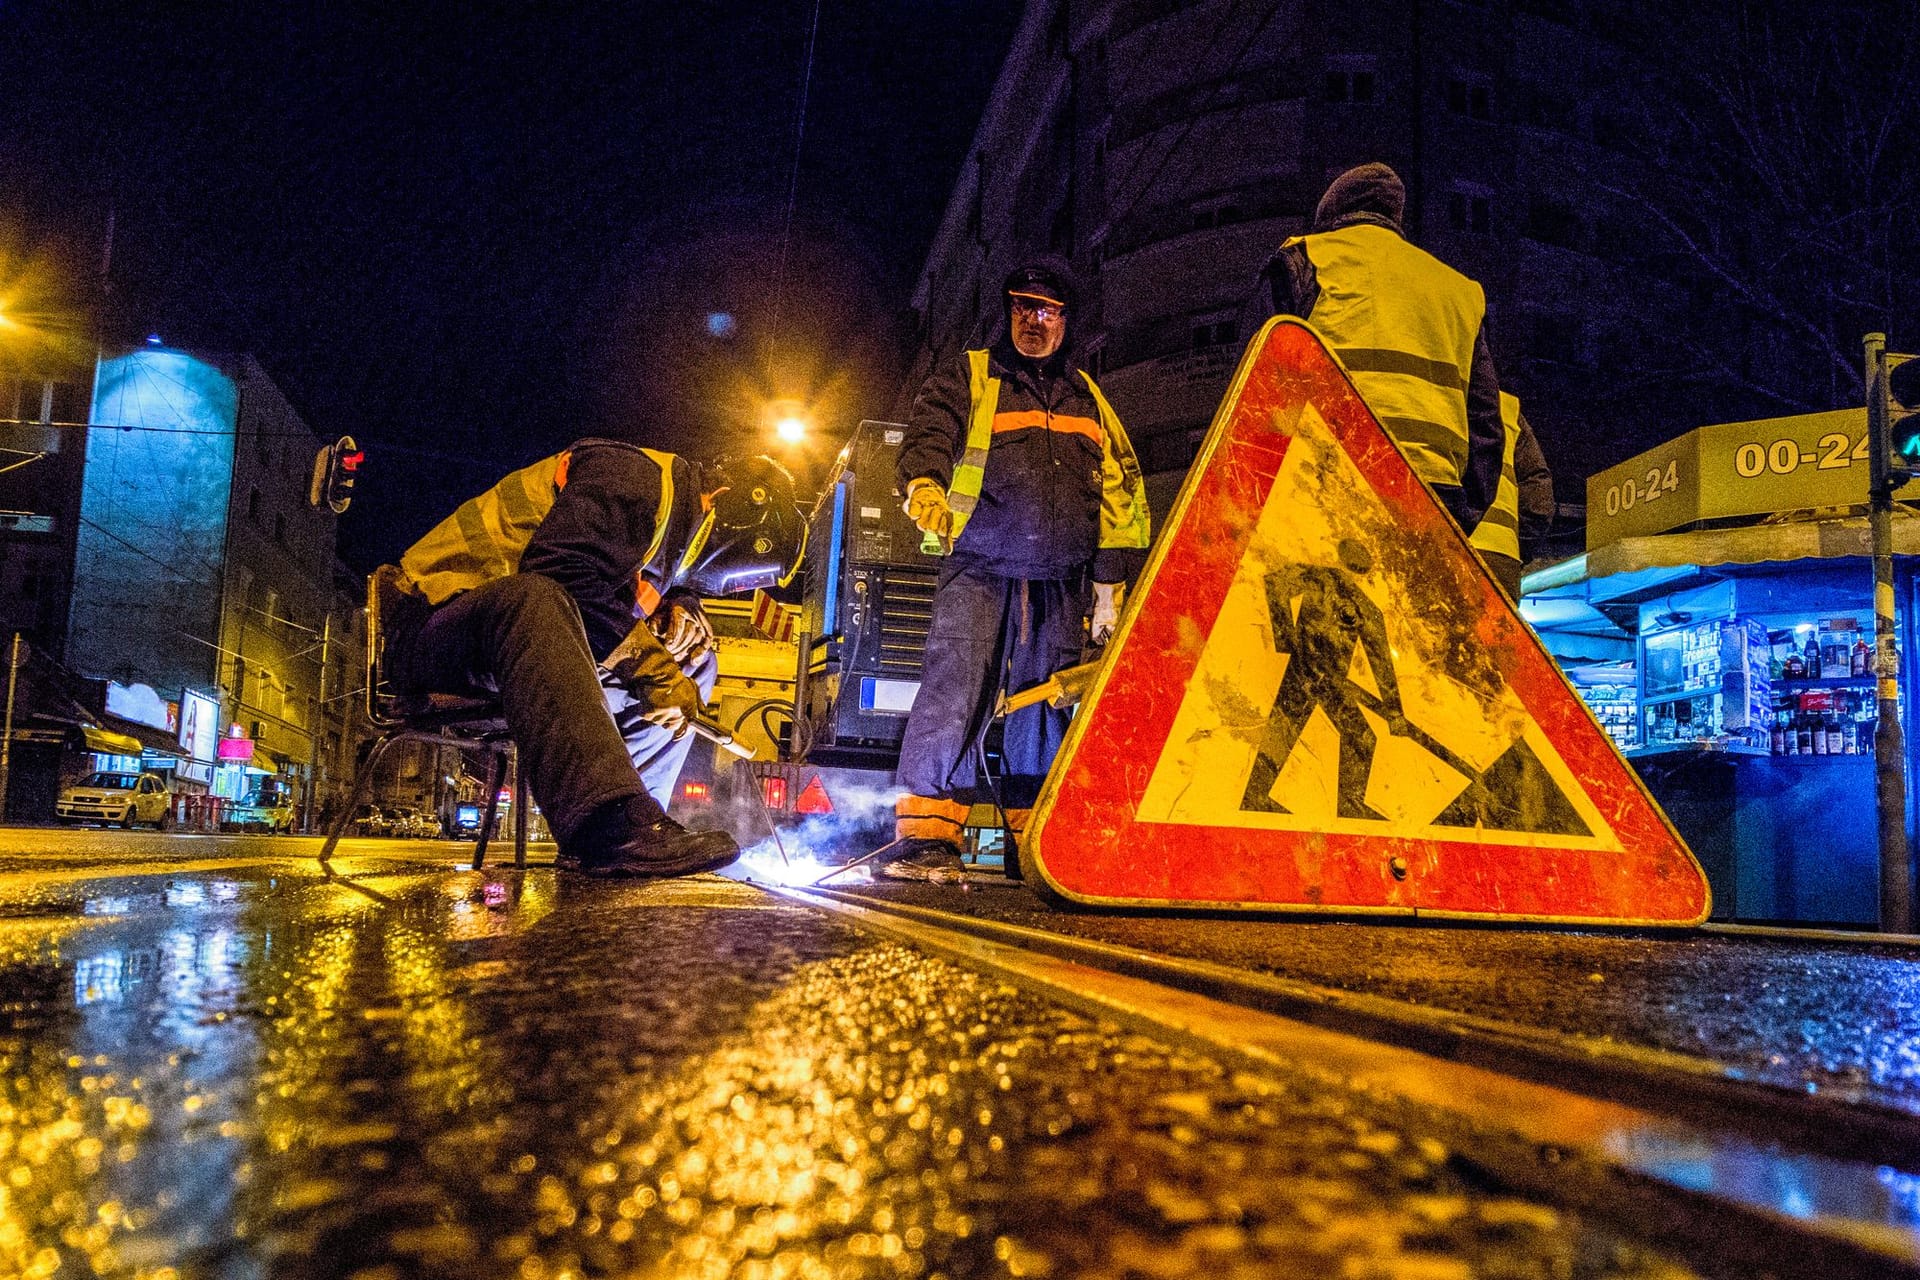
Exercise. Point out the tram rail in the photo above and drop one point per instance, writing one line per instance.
(1792, 1183)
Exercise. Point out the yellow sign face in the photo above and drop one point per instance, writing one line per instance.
(1393, 735)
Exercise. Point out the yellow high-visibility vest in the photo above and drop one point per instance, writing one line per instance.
(1124, 521)
(1403, 324)
(484, 538)
(1499, 530)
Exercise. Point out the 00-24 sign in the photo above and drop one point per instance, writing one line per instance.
(1784, 457)
(1656, 484)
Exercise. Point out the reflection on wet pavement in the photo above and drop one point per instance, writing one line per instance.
(454, 1074)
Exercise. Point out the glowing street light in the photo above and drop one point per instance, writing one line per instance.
(791, 428)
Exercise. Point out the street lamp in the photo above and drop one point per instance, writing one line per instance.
(788, 418)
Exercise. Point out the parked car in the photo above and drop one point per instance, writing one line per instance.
(372, 821)
(413, 824)
(125, 798)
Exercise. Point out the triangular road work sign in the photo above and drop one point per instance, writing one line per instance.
(1319, 701)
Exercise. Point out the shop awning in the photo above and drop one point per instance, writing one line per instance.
(260, 761)
(153, 741)
(107, 742)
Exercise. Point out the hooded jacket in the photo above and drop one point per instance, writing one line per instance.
(1046, 478)
(1372, 195)
(606, 520)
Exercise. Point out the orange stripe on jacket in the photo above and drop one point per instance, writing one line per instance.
(1065, 423)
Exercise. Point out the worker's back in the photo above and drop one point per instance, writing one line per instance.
(1404, 324)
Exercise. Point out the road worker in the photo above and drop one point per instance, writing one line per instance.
(1408, 329)
(1522, 507)
(1017, 471)
(572, 590)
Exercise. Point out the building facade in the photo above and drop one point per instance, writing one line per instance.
(201, 579)
(1167, 147)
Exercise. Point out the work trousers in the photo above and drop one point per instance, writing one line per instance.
(521, 637)
(657, 757)
(986, 626)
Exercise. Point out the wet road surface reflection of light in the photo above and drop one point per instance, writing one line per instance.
(503, 1075)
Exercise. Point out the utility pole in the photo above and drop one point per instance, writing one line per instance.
(313, 729)
(1889, 741)
(6, 739)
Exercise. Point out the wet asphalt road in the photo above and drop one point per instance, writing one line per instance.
(1842, 1017)
(224, 1065)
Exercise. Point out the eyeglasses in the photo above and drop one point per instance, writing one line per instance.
(1041, 311)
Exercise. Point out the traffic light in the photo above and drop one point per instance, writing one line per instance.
(1903, 411)
(335, 468)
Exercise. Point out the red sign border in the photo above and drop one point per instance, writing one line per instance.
(1089, 804)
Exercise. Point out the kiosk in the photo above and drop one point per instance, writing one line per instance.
(1720, 625)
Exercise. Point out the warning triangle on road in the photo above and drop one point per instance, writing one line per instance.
(1317, 700)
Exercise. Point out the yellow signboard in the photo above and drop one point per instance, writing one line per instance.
(1734, 469)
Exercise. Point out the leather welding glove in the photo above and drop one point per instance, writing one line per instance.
(1107, 599)
(927, 507)
(643, 666)
(685, 631)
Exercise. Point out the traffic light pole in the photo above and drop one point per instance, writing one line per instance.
(6, 736)
(1889, 740)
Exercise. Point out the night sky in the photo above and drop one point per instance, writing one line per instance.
(470, 233)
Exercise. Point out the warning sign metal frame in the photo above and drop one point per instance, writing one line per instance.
(1087, 843)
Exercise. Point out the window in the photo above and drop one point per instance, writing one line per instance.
(1470, 98)
(1350, 78)
(1553, 223)
(1546, 109)
(253, 504)
(262, 446)
(1469, 209)
(1213, 332)
(280, 528)
(272, 609)
(1349, 86)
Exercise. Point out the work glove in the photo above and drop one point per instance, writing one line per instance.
(927, 507)
(1107, 599)
(642, 665)
(685, 632)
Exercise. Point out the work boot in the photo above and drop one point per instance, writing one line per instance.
(927, 861)
(618, 842)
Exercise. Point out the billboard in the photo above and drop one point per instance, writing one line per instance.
(199, 725)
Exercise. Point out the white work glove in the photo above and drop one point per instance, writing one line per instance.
(641, 665)
(1107, 599)
(927, 507)
(686, 633)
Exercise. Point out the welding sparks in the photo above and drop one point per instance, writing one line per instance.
(800, 867)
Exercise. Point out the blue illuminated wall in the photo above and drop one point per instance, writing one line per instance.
(153, 521)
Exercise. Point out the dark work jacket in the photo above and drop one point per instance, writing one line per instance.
(1289, 286)
(595, 538)
(1039, 511)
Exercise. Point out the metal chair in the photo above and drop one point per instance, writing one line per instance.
(469, 723)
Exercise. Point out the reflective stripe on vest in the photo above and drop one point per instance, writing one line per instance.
(1124, 520)
(1403, 324)
(483, 540)
(1498, 532)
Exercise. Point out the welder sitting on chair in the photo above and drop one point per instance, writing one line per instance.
(1016, 469)
(572, 589)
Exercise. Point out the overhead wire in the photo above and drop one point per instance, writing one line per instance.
(793, 174)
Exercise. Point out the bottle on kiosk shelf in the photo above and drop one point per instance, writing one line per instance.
(1812, 657)
(1862, 657)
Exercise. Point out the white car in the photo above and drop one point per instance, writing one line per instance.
(125, 798)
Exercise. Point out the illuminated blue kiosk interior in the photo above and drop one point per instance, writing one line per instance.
(1732, 667)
